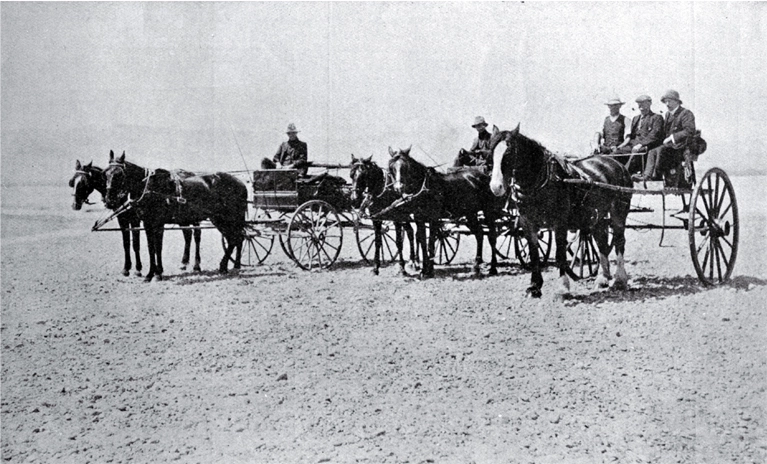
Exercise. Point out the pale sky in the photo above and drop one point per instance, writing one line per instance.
(178, 85)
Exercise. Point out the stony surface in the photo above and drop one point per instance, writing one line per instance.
(279, 365)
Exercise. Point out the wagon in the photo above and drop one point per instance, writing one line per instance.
(709, 216)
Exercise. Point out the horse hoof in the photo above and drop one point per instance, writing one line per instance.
(223, 271)
(197, 269)
(138, 274)
(148, 278)
(601, 282)
(126, 272)
(534, 292)
(183, 267)
(493, 271)
(159, 277)
(375, 271)
(620, 285)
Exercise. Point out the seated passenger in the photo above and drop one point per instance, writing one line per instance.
(615, 129)
(478, 155)
(646, 134)
(291, 154)
(679, 126)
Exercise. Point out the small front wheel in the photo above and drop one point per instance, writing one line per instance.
(315, 235)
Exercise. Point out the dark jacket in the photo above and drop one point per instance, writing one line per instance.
(681, 125)
(648, 131)
(291, 152)
(613, 131)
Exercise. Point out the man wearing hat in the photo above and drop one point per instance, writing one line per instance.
(292, 153)
(479, 154)
(646, 133)
(614, 130)
(679, 126)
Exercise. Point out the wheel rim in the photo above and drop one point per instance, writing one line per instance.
(446, 245)
(714, 228)
(315, 235)
(506, 238)
(582, 255)
(257, 244)
(522, 247)
(365, 235)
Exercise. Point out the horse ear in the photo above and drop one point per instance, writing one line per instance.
(121, 159)
(354, 160)
(89, 165)
(111, 155)
(515, 131)
(368, 159)
(407, 151)
(495, 129)
(78, 166)
(391, 152)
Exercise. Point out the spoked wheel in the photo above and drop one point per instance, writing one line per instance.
(315, 235)
(446, 246)
(713, 228)
(258, 243)
(522, 247)
(365, 234)
(582, 254)
(506, 230)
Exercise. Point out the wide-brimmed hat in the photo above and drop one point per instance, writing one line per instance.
(643, 98)
(292, 129)
(670, 95)
(615, 101)
(479, 121)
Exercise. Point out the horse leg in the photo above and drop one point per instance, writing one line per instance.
(420, 234)
(150, 244)
(536, 278)
(618, 219)
(476, 230)
(187, 243)
(377, 230)
(158, 250)
(136, 224)
(432, 240)
(560, 237)
(600, 235)
(197, 240)
(126, 248)
(413, 245)
(399, 239)
(492, 238)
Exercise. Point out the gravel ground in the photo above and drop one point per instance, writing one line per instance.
(275, 364)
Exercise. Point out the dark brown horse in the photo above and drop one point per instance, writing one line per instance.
(545, 201)
(369, 192)
(88, 178)
(434, 196)
(179, 197)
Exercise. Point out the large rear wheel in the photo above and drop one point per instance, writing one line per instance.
(714, 228)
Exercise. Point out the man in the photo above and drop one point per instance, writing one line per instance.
(292, 154)
(479, 154)
(679, 126)
(615, 129)
(646, 133)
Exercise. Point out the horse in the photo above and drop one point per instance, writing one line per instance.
(545, 200)
(88, 178)
(369, 191)
(464, 192)
(179, 197)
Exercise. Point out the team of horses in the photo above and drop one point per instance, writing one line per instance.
(404, 192)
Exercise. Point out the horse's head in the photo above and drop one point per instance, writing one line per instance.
(116, 179)
(83, 183)
(366, 177)
(503, 147)
(406, 173)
